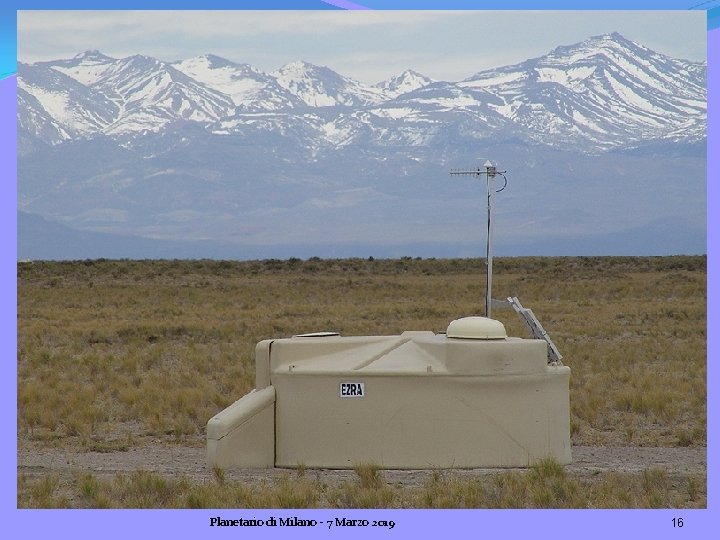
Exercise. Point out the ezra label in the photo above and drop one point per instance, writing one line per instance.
(352, 389)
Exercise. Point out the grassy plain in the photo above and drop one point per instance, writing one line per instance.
(116, 354)
(545, 485)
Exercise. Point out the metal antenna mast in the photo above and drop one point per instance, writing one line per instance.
(490, 172)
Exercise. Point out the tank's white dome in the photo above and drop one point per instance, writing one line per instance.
(476, 328)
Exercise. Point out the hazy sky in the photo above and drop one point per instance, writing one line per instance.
(368, 46)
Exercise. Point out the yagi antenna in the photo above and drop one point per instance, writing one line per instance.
(490, 171)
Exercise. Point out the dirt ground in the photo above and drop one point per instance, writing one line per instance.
(189, 461)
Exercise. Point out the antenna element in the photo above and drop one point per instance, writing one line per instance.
(490, 172)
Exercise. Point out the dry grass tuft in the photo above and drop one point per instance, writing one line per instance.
(369, 475)
(546, 485)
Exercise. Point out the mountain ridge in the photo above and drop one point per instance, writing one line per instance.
(575, 93)
(207, 150)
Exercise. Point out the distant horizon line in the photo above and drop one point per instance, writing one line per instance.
(27, 260)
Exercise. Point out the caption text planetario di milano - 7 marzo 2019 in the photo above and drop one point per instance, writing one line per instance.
(297, 522)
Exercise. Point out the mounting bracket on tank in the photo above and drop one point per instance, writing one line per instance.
(534, 325)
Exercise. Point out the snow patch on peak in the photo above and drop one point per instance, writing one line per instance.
(92, 56)
(215, 61)
(564, 76)
(319, 86)
(407, 81)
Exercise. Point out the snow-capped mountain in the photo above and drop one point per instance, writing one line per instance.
(59, 107)
(136, 94)
(602, 90)
(320, 86)
(86, 67)
(207, 148)
(250, 89)
(407, 81)
(152, 94)
(606, 92)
